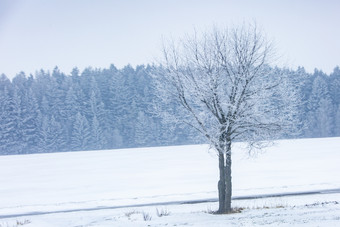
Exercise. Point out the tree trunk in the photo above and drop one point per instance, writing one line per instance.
(228, 180)
(221, 184)
(224, 184)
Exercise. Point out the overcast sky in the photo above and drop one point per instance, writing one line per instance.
(37, 34)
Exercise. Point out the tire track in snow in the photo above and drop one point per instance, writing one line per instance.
(326, 191)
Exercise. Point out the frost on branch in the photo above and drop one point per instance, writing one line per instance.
(225, 87)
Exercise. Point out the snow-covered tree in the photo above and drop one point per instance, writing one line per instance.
(81, 135)
(51, 136)
(7, 121)
(335, 85)
(29, 119)
(44, 143)
(337, 122)
(98, 118)
(143, 130)
(17, 135)
(97, 136)
(320, 110)
(72, 107)
(225, 89)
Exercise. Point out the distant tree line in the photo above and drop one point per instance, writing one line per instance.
(115, 108)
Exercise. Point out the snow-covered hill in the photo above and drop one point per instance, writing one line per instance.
(77, 180)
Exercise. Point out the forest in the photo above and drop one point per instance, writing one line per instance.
(115, 108)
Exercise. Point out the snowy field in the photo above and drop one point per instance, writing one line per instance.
(97, 180)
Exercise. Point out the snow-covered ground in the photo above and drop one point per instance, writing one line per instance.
(99, 179)
(308, 211)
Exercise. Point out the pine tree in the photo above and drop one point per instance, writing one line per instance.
(81, 133)
(29, 118)
(335, 85)
(56, 135)
(98, 116)
(4, 82)
(71, 108)
(51, 136)
(324, 118)
(17, 144)
(44, 138)
(97, 136)
(318, 104)
(337, 122)
(7, 122)
(143, 132)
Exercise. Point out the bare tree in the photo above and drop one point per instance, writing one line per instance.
(227, 92)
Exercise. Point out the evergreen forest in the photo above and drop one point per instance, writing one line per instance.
(115, 108)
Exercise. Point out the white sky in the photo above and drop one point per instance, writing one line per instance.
(37, 34)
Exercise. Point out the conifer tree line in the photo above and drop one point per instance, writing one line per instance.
(114, 108)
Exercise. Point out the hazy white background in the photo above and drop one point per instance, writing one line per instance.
(37, 34)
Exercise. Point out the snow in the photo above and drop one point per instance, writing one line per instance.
(109, 178)
(288, 211)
